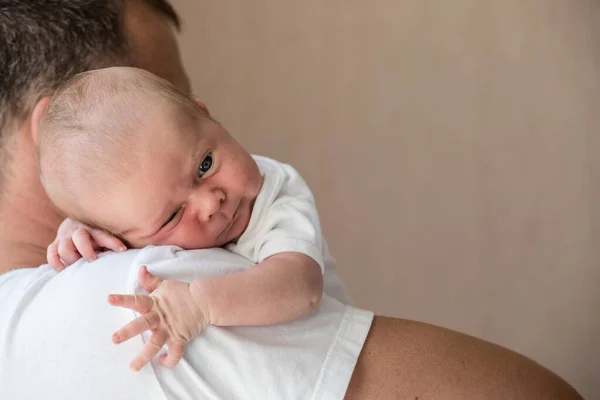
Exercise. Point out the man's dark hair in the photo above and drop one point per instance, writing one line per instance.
(43, 43)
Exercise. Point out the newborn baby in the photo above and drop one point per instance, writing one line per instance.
(134, 162)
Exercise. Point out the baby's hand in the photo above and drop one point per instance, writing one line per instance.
(75, 239)
(175, 312)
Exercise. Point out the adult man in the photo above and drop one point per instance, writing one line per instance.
(42, 43)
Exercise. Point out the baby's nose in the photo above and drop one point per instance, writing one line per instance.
(209, 204)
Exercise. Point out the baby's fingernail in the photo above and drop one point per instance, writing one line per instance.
(122, 249)
(134, 367)
(92, 258)
(116, 338)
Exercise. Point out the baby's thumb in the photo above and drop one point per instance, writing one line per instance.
(148, 281)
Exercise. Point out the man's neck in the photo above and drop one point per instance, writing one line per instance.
(28, 221)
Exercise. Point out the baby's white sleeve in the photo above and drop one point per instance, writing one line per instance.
(290, 224)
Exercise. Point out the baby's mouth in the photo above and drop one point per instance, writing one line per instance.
(231, 222)
(233, 219)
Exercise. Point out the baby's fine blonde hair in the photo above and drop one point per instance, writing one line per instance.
(95, 125)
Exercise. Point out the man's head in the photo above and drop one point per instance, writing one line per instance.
(124, 150)
(45, 42)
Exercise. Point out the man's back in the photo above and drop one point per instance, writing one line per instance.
(55, 338)
(45, 333)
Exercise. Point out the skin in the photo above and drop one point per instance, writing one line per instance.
(410, 360)
(401, 359)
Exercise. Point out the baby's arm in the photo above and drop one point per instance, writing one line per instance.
(282, 288)
(286, 242)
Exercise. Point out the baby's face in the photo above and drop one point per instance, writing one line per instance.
(190, 190)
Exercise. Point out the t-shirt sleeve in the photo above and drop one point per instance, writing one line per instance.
(291, 224)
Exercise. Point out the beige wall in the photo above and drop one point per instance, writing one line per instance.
(453, 148)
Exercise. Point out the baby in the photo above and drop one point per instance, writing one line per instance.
(134, 162)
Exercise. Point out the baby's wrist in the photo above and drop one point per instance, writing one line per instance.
(200, 292)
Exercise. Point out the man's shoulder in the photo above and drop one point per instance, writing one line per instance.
(57, 326)
(13, 287)
(29, 288)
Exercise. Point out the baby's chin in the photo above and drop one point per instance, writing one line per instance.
(236, 229)
(233, 233)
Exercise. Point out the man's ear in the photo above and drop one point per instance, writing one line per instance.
(202, 105)
(36, 116)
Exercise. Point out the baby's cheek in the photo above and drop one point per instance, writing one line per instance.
(149, 242)
(131, 243)
(191, 236)
(163, 239)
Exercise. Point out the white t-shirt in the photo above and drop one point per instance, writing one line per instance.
(285, 219)
(55, 338)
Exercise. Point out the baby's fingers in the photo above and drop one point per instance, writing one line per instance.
(136, 302)
(53, 257)
(67, 251)
(173, 356)
(148, 281)
(146, 322)
(151, 349)
(108, 241)
(83, 242)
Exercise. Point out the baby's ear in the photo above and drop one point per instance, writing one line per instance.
(36, 117)
(202, 105)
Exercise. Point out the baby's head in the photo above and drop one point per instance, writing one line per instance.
(121, 149)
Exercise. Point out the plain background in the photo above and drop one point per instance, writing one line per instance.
(453, 148)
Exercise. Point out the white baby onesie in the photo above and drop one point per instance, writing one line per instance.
(284, 217)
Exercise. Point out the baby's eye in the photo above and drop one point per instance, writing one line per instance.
(205, 165)
(172, 217)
